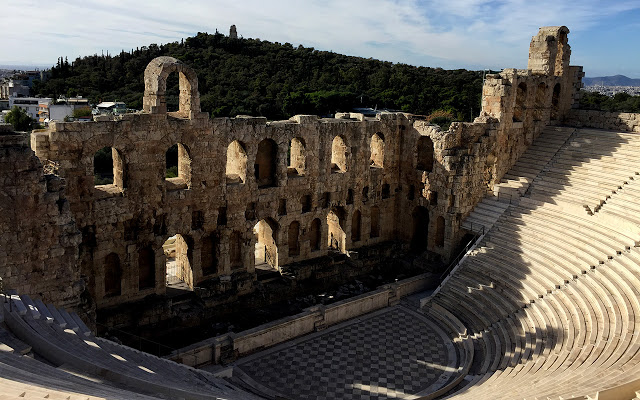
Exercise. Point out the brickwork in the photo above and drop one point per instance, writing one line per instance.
(317, 184)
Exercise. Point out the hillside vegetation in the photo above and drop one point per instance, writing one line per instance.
(260, 78)
(620, 102)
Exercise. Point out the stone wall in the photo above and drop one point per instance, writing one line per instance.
(620, 121)
(39, 240)
(318, 185)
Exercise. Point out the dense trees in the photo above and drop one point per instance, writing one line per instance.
(250, 76)
(622, 102)
(19, 119)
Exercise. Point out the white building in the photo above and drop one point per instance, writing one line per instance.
(29, 104)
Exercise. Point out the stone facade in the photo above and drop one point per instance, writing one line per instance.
(39, 243)
(249, 191)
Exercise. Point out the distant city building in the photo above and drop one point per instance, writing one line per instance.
(19, 84)
(613, 90)
(62, 109)
(110, 107)
(29, 104)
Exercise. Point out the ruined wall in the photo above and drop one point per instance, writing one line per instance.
(39, 240)
(470, 158)
(341, 183)
(629, 122)
(206, 205)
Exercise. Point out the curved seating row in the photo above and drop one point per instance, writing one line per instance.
(551, 295)
(63, 340)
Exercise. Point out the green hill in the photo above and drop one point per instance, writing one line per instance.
(260, 78)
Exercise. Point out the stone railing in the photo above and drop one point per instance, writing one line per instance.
(628, 122)
(230, 346)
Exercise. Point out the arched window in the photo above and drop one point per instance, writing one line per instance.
(349, 199)
(305, 203)
(420, 229)
(425, 154)
(235, 250)
(440, 231)
(265, 165)
(521, 101)
(208, 254)
(339, 155)
(294, 244)
(178, 166)
(112, 275)
(355, 226)
(146, 268)
(375, 222)
(555, 102)
(108, 168)
(315, 235)
(377, 150)
(297, 157)
(236, 163)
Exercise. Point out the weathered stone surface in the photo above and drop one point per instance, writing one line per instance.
(295, 188)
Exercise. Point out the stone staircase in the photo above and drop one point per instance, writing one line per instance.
(517, 180)
(550, 295)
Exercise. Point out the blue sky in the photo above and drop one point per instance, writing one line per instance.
(474, 34)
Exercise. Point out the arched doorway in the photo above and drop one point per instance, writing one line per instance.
(178, 259)
(420, 234)
(555, 102)
(266, 250)
(337, 236)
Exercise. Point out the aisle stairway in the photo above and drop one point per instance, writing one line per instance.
(551, 294)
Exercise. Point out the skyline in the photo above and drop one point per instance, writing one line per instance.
(452, 34)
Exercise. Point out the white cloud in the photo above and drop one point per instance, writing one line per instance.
(448, 33)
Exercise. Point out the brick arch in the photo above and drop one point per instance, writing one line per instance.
(155, 86)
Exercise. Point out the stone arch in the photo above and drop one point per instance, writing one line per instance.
(315, 234)
(377, 150)
(112, 275)
(297, 157)
(266, 163)
(236, 170)
(335, 222)
(555, 102)
(424, 154)
(420, 235)
(294, 236)
(440, 227)
(146, 268)
(339, 155)
(356, 221)
(375, 222)
(108, 168)
(178, 252)
(266, 250)
(521, 101)
(178, 165)
(155, 87)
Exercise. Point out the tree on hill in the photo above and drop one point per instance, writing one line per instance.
(261, 78)
(19, 119)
